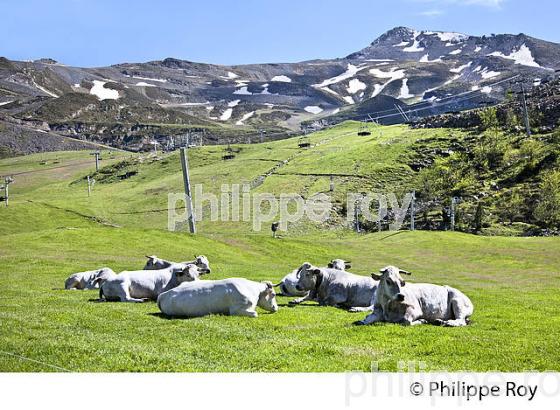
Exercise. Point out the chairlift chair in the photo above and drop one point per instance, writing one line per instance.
(228, 153)
(364, 130)
(304, 142)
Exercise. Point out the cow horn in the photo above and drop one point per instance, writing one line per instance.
(276, 285)
(347, 261)
(404, 272)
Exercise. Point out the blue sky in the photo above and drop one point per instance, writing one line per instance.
(102, 32)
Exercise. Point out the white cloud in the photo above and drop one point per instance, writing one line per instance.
(496, 4)
(431, 13)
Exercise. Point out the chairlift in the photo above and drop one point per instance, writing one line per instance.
(228, 153)
(364, 130)
(304, 142)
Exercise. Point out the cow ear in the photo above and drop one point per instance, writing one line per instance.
(376, 276)
(347, 266)
(403, 283)
(330, 265)
(316, 271)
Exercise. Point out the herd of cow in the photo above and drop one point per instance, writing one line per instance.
(179, 291)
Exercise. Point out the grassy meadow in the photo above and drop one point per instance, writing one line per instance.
(52, 229)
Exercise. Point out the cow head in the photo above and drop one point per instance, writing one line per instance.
(267, 298)
(155, 263)
(188, 273)
(339, 264)
(307, 275)
(203, 264)
(391, 282)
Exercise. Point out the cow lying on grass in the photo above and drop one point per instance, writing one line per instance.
(140, 285)
(90, 279)
(155, 263)
(416, 303)
(334, 287)
(289, 282)
(234, 296)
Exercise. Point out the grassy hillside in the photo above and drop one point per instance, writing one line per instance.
(52, 229)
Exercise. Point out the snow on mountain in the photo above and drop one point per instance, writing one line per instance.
(522, 56)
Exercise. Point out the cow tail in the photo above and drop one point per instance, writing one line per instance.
(101, 295)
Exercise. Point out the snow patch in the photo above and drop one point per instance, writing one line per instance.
(426, 59)
(233, 103)
(103, 93)
(405, 92)
(415, 47)
(486, 74)
(451, 37)
(281, 79)
(377, 88)
(461, 68)
(143, 84)
(523, 56)
(313, 109)
(245, 118)
(327, 89)
(478, 49)
(335, 111)
(486, 90)
(350, 72)
(455, 52)
(349, 99)
(226, 114)
(404, 43)
(159, 80)
(243, 91)
(5, 102)
(355, 85)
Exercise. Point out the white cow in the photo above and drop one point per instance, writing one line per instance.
(234, 296)
(417, 303)
(289, 282)
(155, 263)
(137, 286)
(90, 279)
(338, 288)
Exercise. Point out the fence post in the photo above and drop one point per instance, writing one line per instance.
(412, 210)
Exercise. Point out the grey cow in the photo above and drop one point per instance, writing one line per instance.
(289, 282)
(137, 286)
(155, 263)
(417, 303)
(89, 279)
(334, 287)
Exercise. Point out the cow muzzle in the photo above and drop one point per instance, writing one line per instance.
(399, 297)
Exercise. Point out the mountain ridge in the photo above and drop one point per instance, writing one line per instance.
(402, 65)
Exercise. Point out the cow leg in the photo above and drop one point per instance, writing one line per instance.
(309, 296)
(124, 295)
(358, 309)
(454, 323)
(407, 322)
(245, 310)
(462, 309)
(376, 316)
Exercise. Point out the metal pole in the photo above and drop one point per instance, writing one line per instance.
(332, 183)
(6, 191)
(187, 182)
(452, 214)
(96, 160)
(412, 210)
(88, 186)
(527, 124)
(356, 214)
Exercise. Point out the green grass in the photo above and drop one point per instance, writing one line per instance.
(513, 282)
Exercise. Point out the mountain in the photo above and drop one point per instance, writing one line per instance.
(130, 104)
